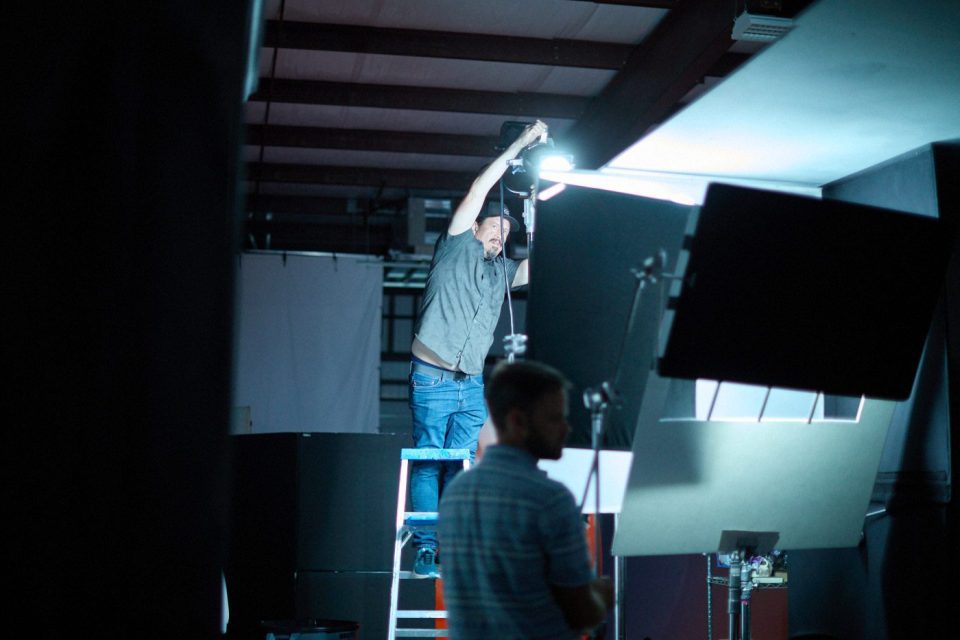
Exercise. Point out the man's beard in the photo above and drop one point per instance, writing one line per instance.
(543, 448)
(491, 253)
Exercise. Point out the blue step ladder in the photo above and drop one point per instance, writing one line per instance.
(407, 523)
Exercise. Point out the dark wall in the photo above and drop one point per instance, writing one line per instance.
(313, 530)
(881, 589)
(122, 226)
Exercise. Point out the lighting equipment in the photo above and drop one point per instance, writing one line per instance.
(828, 296)
(778, 290)
(523, 172)
(756, 28)
(766, 20)
(522, 177)
(821, 295)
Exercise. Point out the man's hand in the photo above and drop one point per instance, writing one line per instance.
(603, 589)
(529, 136)
(586, 606)
(466, 214)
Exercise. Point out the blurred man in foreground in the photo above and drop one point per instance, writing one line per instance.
(515, 554)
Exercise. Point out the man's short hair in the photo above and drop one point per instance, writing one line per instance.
(519, 385)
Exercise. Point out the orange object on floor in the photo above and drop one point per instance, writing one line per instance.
(438, 598)
(598, 563)
(591, 526)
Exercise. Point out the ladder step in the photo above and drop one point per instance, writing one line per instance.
(410, 575)
(434, 454)
(422, 613)
(420, 518)
(422, 633)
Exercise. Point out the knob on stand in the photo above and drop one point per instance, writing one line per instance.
(515, 344)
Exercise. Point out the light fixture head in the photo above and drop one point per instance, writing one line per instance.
(520, 177)
(523, 173)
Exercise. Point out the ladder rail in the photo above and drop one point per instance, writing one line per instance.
(406, 523)
(397, 549)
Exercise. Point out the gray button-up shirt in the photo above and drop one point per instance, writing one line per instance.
(462, 301)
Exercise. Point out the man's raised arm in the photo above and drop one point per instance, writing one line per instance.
(466, 214)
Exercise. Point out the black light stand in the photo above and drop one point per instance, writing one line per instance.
(530, 214)
(524, 184)
(738, 597)
(514, 344)
(741, 546)
(599, 399)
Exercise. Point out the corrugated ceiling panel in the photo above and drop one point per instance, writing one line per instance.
(434, 72)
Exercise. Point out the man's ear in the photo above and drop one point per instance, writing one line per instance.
(517, 421)
(475, 227)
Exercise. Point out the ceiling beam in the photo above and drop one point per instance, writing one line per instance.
(650, 4)
(321, 206)
(444, 44)
(293, 221)
(315, 205)
(381, 96)
(371, 140)
(727, 64)
(359, 176)
(687, 43)
(342, 237)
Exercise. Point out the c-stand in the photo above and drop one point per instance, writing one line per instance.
(598, 400)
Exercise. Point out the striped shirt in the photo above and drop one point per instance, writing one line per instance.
(508, 532)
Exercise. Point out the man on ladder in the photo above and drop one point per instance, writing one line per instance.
(458, 314)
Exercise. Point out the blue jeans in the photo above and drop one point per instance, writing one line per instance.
(447, 414)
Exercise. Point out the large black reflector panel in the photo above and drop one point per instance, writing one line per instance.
(582, 291)
(796, 292)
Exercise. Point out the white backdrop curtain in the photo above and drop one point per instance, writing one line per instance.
(308, 343)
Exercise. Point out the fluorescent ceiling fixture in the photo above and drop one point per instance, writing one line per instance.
(687, 189)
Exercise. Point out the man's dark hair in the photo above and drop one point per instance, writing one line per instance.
(519, 385)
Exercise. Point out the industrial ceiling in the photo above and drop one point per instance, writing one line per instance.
(364, 106)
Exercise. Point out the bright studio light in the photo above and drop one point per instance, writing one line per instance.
(556, 162)
(523, 173)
